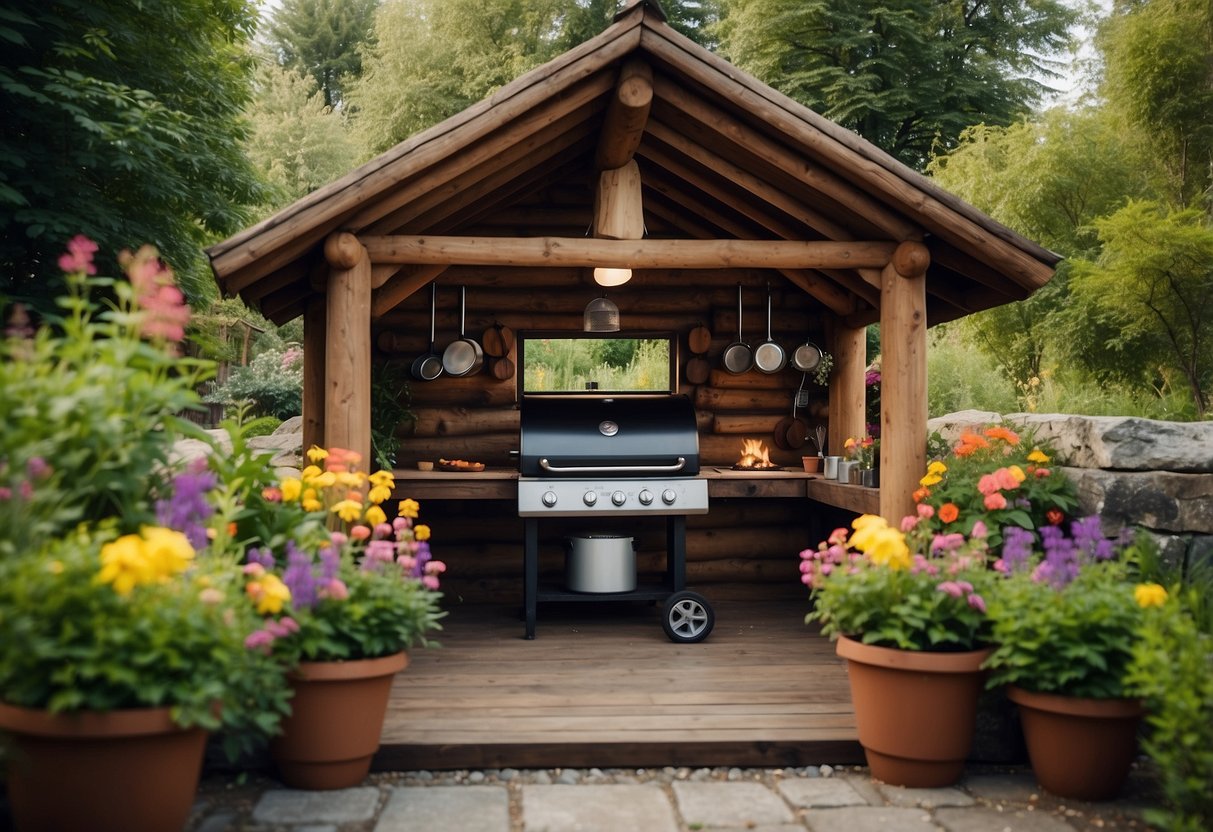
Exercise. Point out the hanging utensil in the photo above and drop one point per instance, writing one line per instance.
(738, 357)
(429, 366)
(769, 357)
(806, 357)
(463, 356)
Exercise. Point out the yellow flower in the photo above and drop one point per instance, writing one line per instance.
(866, 526)
(167, 551)
(326, 480)
(408, 508)
(1038, 456)
(421, 532)
(348, 479)
(379, 493)
(316, 454)
(929, 480)
(347, 510)
(383, 478)
(1017, 473)
(291, 489)
(270, 593)
(375, 516)
(936, 467)
(1150, 595)
(888, 548)
(310, 473)
(124, 564)
(310, 501)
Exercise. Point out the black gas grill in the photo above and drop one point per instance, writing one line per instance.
(614, 456)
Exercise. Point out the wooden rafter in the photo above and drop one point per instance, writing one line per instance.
(626, 115)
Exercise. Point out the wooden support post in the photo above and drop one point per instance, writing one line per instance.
(347, 406)
(626, 116)
(846, 387)
(618, 207)
(903, 382)
(315, 329)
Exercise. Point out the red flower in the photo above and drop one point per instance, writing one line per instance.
(1054, 516)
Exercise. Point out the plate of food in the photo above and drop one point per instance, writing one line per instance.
(459, 465)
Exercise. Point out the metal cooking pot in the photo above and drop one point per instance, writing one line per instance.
(738, 357)
(429, 366)
(463, 356)
(806, 357)
(769, 357)
(600, 563)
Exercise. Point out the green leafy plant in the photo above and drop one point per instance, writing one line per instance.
(1066, 618)
(272, 383)
(913, 590)
(389, 410)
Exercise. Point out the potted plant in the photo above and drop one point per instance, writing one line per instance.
(343, 592)
(907, 609)
(121, 633)
(1066, 620)
(867, 455)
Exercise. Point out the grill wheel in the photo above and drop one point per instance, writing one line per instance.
(687, 617)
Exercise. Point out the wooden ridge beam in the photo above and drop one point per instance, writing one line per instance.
(638, 254)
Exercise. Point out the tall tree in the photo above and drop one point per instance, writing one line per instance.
(323, 39)
(122, 121)
(693, 18)
(910, 76)
(296, 141)
(1158, 75)
(433, 58)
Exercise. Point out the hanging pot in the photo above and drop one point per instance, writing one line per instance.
(769, 357)
(806, 357)
(429, 366)
(463, 356)
(738, 357)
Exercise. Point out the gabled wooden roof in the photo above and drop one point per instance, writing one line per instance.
(722, 156)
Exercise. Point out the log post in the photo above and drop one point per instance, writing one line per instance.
(626, 116)
(314, 333)
(347, 401)
(903, 387)
(846, 386)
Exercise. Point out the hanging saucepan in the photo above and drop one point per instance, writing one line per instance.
(463, 356)
(806, 357)
(429, 366)
(737, 356)
(769, 357)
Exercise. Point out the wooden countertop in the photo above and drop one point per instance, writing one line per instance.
(500, 484)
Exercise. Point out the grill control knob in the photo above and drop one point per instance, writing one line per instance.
(619, 498)
(645, 497)
(668, 496)
(590, 498)
(549, 498)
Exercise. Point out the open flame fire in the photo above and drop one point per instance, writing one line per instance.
(754, 454)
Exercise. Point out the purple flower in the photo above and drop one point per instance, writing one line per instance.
(37, 468)
(1061, 563)
(951, 588)
(1017, 545)
(330, 562)
(1089, 539)
(188, 510)
(299, 577)
(977, 602)
(263, 557)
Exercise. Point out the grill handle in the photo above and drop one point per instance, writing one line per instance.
(613, 469)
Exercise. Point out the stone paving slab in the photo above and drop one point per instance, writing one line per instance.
(462, 808)
(973, 819)
(280, 806)
(924, 798)
(820, 793)
(597, 808)
(869, 819)
(729, 804)
(1009, 788)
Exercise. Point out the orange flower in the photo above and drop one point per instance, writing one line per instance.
(921, 494)
(1006, 435)
(948, 512)
(970, 442)
(1054, 516)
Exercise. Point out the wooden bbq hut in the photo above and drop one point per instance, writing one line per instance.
(638, 149)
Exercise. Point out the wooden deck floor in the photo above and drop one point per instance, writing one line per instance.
(602, 686)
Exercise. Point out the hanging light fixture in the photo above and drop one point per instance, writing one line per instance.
(601, 315)
(604, 276)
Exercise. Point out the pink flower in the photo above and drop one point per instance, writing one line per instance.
(6, 493)
(951, 588)
(401, 523)
(79, 257)
(360, 532)
(406, 562)
(838, 536)
(995, 501)
(255, 570)
(435, 567)
(965, 585)
(383, 530)
(429, 582)
(807, 579)
(1000, 565)
(909, 522)
(335, 589)
(259, 640)
(977, 602)
(339, 538)
(979, 530)
(926, 510)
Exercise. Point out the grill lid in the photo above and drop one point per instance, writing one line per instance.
(635, 435)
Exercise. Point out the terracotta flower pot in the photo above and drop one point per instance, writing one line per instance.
(123, 771)
(915, 710)
(812, 464)
(336, 717)
(1079, 748)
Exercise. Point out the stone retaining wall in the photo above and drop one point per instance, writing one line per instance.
(1131, 472)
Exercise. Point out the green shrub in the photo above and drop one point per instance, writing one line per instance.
(272, 384)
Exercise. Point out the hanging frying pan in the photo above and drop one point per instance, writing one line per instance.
(463, 356)
(769, 357)
(806, 357)
(429, 366)
(738, 357)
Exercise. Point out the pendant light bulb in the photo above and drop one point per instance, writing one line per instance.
(611, 276)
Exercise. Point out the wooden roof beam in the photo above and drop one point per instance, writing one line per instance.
(626, 115)
(637, 254)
